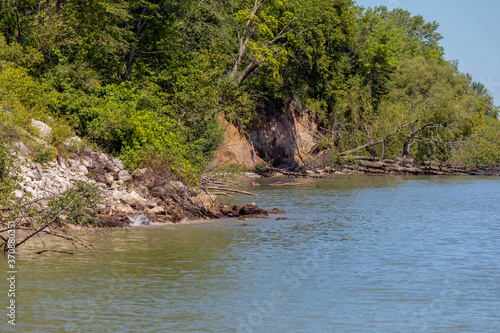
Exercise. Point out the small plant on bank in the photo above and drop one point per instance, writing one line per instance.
(8, 179)
(261, 168)
(79, 204)
(45, 154)
(228, 170)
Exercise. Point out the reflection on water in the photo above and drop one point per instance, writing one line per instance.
(357, 254)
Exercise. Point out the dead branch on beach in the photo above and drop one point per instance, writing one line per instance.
(231, 190)
(57, 251)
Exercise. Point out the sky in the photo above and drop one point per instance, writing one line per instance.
(470, 31)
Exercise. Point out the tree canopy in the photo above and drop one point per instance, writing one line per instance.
(138, 76)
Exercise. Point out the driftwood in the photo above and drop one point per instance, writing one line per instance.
(58, 251)
(231, 190)
(287, 173)
(46, 224)
(406, 166)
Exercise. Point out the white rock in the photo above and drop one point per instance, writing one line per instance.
(61, 164)
(73, 163)
(37, 173)
(83, 169)
(155, 210)
(101, 159)
(207, 200)
(43, 129)
(124, 208)
(139, 172)
(109, 179)
(86, 162)
(18, 194)
(118, 163)
(133, 199)
(151, 203)
(21, 148)
(123, 175)
(60, 179)
(117, 194)
(112, 168)
(30, 190)
(73, 143)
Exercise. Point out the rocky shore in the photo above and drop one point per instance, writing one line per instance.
(130, 197)
(150, 196)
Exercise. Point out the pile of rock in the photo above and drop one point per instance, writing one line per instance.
(53, 178)
(126, 193)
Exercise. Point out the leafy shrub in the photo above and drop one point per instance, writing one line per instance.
(481, 149)
(261, 168)
(8, 179)
(25, 99)
(44, 154)
(79, 204)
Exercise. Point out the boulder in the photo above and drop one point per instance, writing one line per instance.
(228, 211)
(139, 188)
(178, 185)
(112, 168)
(252, 211)
(151, 203)
(43, 129)
(155, 210)
(117, 195)
(124, 208)
(21, 148)
(99, 160)
(83, 169)
(109, 179)
(118, 163)
(139, 172)
(38, 172)
(87, 162)
(73, 143)
(133, 199)
(206, 200)
(124, 176)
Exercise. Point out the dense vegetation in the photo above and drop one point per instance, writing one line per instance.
(151, 79)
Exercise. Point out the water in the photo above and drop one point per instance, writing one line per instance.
(357, 254)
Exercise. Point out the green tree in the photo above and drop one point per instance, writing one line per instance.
(425, 114)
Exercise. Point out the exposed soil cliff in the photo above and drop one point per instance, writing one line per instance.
(283, 137)
(286, 136)
(236, 149)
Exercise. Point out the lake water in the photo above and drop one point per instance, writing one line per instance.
(357, 254)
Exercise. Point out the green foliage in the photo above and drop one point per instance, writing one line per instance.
(44, 154)
(482, 149)
(144, 78)
(8, 178)
(425, 110)
(261, 167)
(79, 204)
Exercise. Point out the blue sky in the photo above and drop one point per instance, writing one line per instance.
(471, 33)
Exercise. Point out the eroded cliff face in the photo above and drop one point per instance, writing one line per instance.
(286, 136)
(237, 148)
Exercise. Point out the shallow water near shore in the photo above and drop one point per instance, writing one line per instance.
(357, 254)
